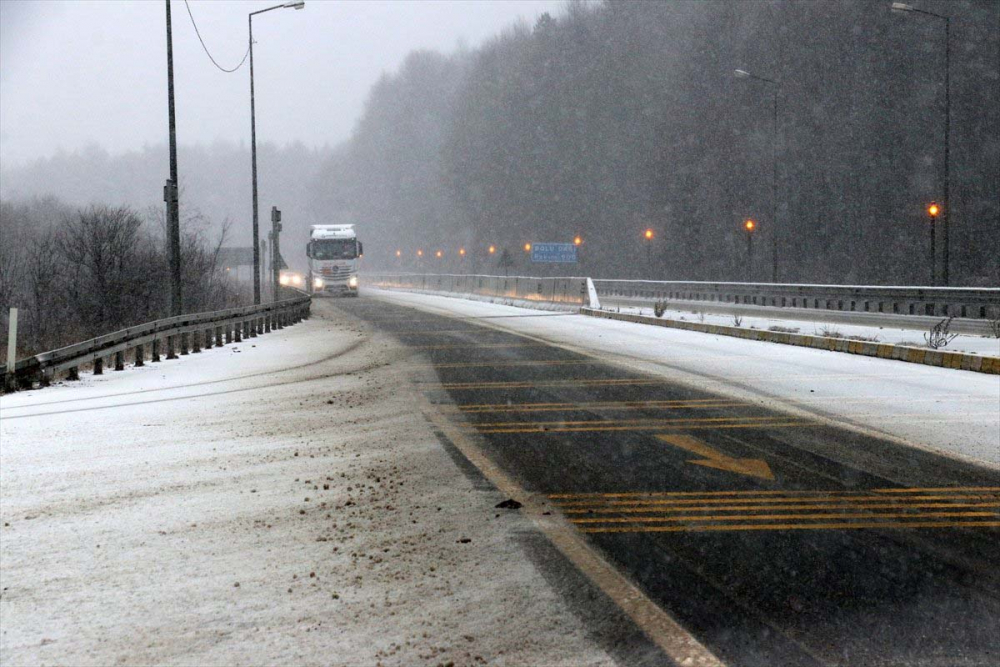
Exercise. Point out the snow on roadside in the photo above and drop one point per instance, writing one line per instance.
(292, 508)
(984, 345)
(951, 411)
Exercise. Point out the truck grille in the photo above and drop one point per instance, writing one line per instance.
(335, 272)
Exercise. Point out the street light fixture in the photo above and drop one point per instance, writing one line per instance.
(527, 247)
(493, 249)
(577, 240)
(900, 7)
(743, 74)
(299, 4)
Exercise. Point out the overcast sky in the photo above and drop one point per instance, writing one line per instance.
(82, 72)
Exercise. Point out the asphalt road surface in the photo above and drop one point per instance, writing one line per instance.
(773, 539)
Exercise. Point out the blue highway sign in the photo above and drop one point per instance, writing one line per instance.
(553, 252)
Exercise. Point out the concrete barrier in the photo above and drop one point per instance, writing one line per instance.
(572, 292)
(914, 355)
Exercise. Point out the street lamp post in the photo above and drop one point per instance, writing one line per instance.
(900, 7)
(933, 210)
(170, 189)
(743, 74)
(750, 226)
(299, 4)
(648, 236)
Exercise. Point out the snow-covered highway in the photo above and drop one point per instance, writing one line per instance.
(326, 494)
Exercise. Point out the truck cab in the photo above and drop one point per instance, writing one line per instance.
(334, 254)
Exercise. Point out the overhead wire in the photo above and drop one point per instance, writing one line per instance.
(207, 52)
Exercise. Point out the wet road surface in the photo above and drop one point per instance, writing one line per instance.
(774, 539)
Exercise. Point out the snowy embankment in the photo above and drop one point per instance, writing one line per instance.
(967, 343)
(277, 501)
(950, 411)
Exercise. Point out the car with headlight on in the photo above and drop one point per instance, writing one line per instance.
(291, 279)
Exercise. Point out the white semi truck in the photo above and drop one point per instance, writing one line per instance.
(334, 254)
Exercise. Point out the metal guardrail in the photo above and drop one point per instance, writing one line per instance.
(571, 291)
(981, 303)
(180, 334)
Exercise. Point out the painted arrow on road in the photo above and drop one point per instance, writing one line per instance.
(716, 459)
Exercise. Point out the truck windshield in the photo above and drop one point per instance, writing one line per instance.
(335, 249)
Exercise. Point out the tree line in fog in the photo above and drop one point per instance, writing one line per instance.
(612, 119)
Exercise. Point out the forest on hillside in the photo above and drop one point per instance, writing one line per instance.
(611, 118)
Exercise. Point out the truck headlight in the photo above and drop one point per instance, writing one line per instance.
(318, 283)
(296, 279)
(353, 281)
(283, 280)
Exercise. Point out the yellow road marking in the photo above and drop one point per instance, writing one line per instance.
(483, 346)
(772, 517)
(498, 363)
(678, 403)
(699, 502)
(770, 508)
(597, 405)
(793, 526)
(685, 427)
(629, 494)
(678, 644)
(939, 488)
(713, 458)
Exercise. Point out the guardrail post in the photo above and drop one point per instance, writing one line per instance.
(155, 355)
(73, 374)
(185, 343)
(238, 331)
(260, 324)
(140, 352)
(120, 360)
(195, 341)
(251, 328)
(229, 332)
(171, 354)
(218, 337)
(208, 338)
(44, 377)
(99, 366)
(267, 322)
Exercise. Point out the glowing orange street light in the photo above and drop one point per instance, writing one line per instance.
(493, 249)
(649, 234)
(577, 240)
(399, 253)
(749, 225)
(420, 253)
(933, 210)
(527, 247)
(461, 251)
(437, 254)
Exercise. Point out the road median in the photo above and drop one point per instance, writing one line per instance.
(916, 355)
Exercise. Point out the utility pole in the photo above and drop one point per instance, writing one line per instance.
(291, 4)
(775, 86)
(170, 195)
(253, 168)
(276, 251)
(902, 7)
